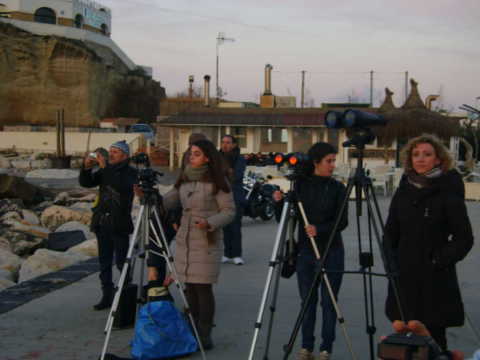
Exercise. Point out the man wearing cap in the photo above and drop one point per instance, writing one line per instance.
(111, 219)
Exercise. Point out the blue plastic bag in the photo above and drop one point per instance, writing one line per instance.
(161, 332)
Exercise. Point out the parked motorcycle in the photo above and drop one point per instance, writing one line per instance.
(259, 196)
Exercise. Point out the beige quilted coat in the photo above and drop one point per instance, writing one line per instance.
(196, 260)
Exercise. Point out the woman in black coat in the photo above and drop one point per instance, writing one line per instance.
(427, 232)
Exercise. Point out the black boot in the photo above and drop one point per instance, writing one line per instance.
(107, 299)
(205, 333)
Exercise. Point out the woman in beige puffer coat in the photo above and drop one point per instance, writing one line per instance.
(207, 202)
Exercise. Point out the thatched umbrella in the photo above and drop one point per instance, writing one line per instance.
(414, 119)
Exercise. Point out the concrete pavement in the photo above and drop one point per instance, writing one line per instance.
(62, 324)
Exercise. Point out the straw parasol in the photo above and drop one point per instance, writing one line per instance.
(413, 119)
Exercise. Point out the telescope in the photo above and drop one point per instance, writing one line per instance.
(352, 118)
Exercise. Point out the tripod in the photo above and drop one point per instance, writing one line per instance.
(363, 186)
(147, 218)
(286, 224)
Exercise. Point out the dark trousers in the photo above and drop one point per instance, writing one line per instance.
(110, 243)
(307, 265)
(232, 235)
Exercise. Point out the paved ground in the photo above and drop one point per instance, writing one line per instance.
(62, 324)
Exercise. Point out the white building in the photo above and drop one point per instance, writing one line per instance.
(81, 14)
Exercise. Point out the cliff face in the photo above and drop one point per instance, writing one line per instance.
(41, 74)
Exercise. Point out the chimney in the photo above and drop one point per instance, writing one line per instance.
(268, 79)
(190, 87)
(429, 100)
(206, 90)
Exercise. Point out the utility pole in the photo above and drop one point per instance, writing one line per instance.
(220, 40)
(303, 89)
(371, 88)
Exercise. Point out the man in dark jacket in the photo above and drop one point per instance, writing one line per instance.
(111, 220)
(232, 233)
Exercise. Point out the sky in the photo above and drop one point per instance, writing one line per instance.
(336, 42)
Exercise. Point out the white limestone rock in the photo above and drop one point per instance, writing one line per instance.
(53, 174)
(5, 283)
(55, 215)
(88, 248)
(24, 227)
(9, 261)
(5, 244)
(30, 217)
(45, 261)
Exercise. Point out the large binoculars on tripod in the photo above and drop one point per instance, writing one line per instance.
(352, 118)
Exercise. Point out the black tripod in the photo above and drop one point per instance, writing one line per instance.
(286, 224)
(363, 186)
(148, 220)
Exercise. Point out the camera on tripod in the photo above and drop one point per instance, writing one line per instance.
(147, 177)
(410, 347)
(358, 121)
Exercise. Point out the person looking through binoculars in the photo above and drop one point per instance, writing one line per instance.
(322, 198)
(111, 219)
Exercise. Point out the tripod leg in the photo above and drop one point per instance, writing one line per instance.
(340, 318)
(163, 244)
(276, 283)
(279, 241)
(369, 190)
(121, 282)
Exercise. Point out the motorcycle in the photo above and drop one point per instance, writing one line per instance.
(259, 196)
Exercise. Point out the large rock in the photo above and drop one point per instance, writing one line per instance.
(16, 187)
(45, 261)
(8, 205)
(34, 230)
(54, 216)
(10, 216)
(23, 244)
(30, 217)
(5, 274)
(88, 248)
(84, 206)
(5, 283)
(5, 244)
(10, 261)
(4, 162)
(75, 225)
(68, 198)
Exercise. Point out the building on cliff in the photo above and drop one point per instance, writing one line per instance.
(58, 54)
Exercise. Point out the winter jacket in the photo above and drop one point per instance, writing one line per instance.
(115, 196)
(237, 164)
(198, 252)
(427, 232)
(322, 198)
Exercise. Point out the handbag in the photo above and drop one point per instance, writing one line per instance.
(161, 332)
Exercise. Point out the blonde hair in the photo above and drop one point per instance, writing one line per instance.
(442, 153)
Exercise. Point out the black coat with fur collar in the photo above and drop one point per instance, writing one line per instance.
(427, 232)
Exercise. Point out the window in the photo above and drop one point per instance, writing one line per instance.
(240, 134)
(79, 21)
(104, 29)
(45, 15)
(273, 140)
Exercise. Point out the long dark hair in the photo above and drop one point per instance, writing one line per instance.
(216, 170)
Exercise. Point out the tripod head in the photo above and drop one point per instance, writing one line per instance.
(147, 178)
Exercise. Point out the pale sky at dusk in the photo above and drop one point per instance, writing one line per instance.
(336, 42)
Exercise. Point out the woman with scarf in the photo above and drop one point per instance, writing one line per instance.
(427, 232)
(206, 198)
